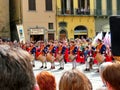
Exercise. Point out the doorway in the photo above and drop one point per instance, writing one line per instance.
(63, 35)
(80, 36)
(36, 37)
(80, 32)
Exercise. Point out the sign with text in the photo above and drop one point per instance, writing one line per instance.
(36, 31)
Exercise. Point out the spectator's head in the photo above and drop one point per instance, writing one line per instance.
(111, 76)
(103, 66)
(74, 80)
(15, 69)
(46, 81)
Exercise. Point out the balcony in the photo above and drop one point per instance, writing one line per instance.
(87, 12)
(72, 12)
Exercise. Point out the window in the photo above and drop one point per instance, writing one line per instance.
(51, 36)
(48, 5)
(81, 4)
(32, 4)
(50, 25)
(98, 7)
(62, 24)
(83, 7)
(63, 6)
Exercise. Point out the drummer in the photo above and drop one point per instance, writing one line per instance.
(101, 49)
(33, 51)
(62, 52)
(53, 51)
(45, 51)
(74, 52)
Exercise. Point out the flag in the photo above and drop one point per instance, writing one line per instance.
(99, 36)
(107, 39)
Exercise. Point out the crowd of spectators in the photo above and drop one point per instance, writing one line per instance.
(16, 73)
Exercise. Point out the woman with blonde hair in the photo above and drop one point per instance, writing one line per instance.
(74, 80)
(46, 81)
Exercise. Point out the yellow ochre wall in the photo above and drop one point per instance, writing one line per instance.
(72, 22)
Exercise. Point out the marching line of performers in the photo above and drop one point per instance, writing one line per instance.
(73, 51)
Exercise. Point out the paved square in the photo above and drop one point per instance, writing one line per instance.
(92, 75)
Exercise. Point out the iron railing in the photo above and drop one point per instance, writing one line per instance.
(88, 12)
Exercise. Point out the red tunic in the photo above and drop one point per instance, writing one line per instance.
(80, 57)
(108, 58)
(66, 55)
(95, 61)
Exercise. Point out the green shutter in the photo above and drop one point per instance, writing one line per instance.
(109, 7)
(118, 7)
(98, 7)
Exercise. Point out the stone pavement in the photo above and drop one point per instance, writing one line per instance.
(92, 75)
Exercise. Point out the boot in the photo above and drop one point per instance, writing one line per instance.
(91, 66)
(41, 67)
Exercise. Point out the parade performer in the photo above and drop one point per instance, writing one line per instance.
(61, 59)
(73, 53)
(80, 56)
(45, 52)
(33, 51)
(59, 56)
(40, 55)
(87, 60)
(108, 55)
(101, 51)
(51, 54)
(66, 56)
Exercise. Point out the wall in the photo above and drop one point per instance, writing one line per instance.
(4, 19)
(73, 21)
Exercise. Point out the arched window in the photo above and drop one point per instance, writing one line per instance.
(62, 32)
(79, 29)
(62, 24)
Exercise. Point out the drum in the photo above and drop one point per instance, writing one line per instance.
(59, 57)
(99, 57)
(41, 58)
(72, 57)
(90, 60)
(50, 58)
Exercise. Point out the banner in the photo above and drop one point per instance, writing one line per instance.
(107, 39)
(99, 36)
(20, 31)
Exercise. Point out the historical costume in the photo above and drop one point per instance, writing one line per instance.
(61, 59)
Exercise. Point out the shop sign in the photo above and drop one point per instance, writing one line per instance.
(36, 31)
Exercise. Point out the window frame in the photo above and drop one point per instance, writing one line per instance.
(49, 5)
(32, 5)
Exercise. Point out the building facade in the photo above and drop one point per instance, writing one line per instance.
(60, 19)
(103, 10)
(38, 18)
(4, 19)
(75, 19)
